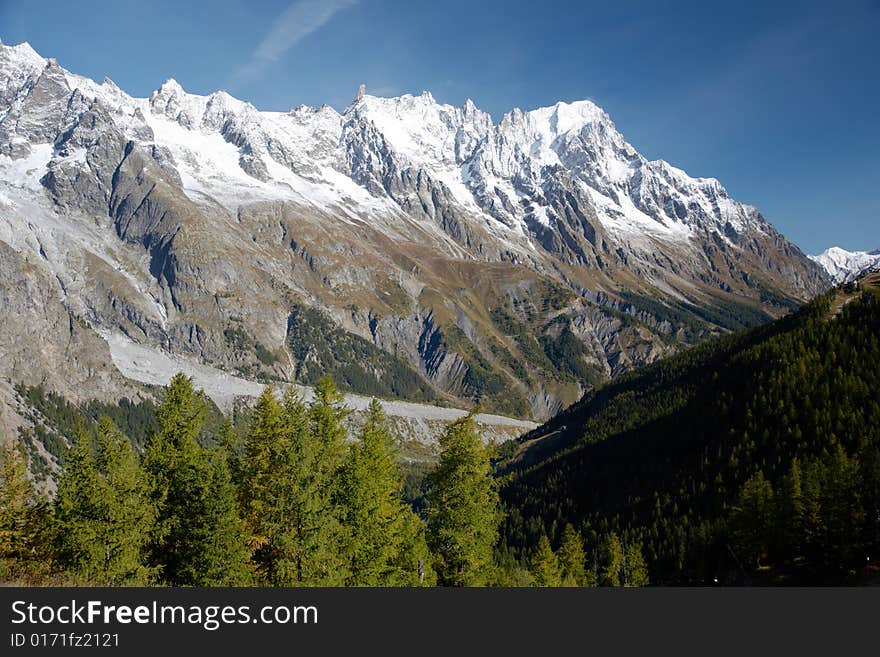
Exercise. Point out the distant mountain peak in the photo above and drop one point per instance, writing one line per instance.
(496, 170)
(170, 87)
(428, 229)
(843, 265)
(24, 51)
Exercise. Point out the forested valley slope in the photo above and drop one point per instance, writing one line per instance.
(753, 458)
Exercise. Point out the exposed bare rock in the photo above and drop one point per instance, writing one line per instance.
(512, 265)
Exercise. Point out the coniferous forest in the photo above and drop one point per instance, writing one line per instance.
(291, 503)
(751, 459)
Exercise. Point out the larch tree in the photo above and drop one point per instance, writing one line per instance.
(753, 518)
(545, 566)
(572, 558)
(319, 446)
(263, 483)
(200, 539)
(790, 511)
(612, 560)
(104, 513)
(24, 548)
(636, 568)
(221, 535)
(291, 472)
(79, 511)
(462, 508)
(383, 532)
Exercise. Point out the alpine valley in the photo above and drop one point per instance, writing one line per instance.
(416, 251)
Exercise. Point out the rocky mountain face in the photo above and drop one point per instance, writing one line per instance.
(844, 266)
(414, 249)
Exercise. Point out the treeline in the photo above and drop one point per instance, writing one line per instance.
(751, 459)
(287, 501)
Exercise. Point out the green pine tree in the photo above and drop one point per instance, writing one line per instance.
(753, 518)
(221, 535)
(790, 515)
(291, 473)
(414, 565)
(320, 446)
(24, 545)
(231, 444)
(104, 514)
(572, 558)
(636, 568)
(199, 540)
(612, 560)
(462, 507)
(814, 528)
(263, 484)
(545, 566)
(80, 510)
(844, 511)
(870, 476)
(382, 529)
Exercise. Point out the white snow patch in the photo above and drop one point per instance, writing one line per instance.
(625, 220)
(25, 173)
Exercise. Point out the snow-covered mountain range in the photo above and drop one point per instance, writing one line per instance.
(515, 263)
(844, 266)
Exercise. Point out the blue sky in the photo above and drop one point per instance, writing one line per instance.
(778, 99)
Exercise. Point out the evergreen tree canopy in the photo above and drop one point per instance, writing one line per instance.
(612, 561)
(572, 558)
(753, 518)
(750, 458)
(635, 567)
(545, 564)
(462, 508)
(24, 553)
(290, 488)
(384, 546)
(104, 514)
(200, 540)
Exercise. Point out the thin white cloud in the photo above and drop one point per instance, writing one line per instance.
(299, 20)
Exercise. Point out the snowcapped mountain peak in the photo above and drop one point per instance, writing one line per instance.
(110, 84)
(399, 106)
(685, 183)
(177, 216)
(406, 155)
(565, 117)
(171, 100)
(548, 123)
(422, 130)
(196, 111)
(309, 113)
(843, 265)
(170, 88)
(23, 53)
(17, 64)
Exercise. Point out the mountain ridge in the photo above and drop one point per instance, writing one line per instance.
(844, 266)
(509, 264)
(543, 125)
